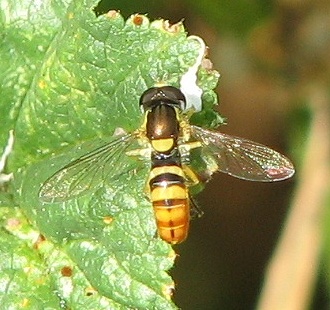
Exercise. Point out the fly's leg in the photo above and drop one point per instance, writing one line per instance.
(145, 151)
(195, 210)
(192, 180)
(142, 153)
(185, 148)
(147, 189)
(191, 176)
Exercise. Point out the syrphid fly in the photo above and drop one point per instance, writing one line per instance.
(168, 142)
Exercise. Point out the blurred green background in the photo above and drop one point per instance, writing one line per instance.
(272, 55)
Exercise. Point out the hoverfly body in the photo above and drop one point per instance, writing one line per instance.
(169, 140)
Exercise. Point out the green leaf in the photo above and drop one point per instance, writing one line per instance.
(91, 78)
(24, 277)
(77, 78)
(27, 29)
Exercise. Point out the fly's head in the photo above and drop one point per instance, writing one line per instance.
(168, 95)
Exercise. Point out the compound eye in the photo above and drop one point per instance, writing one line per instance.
(175, 95)
(166, 94)
(147, 98)
(172, 92)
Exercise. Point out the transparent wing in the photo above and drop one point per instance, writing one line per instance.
(89, 171)
(243, 158)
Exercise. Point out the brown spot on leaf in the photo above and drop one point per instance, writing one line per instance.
(66, 271)
(137, 20)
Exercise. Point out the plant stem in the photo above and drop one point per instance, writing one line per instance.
(292, 271)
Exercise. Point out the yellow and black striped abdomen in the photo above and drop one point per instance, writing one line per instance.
(170, 200)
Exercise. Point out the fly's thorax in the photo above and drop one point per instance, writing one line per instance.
(163, 127)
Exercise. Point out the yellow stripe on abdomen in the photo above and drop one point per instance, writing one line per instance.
(166, 169)
(172, 191)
